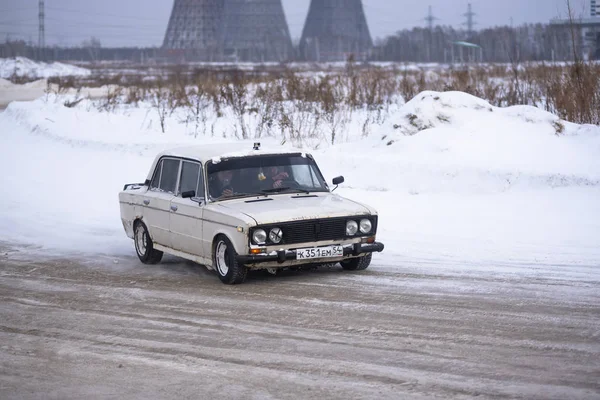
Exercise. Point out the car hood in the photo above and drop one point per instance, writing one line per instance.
(281, 208)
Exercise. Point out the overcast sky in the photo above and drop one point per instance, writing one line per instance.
(143, 22)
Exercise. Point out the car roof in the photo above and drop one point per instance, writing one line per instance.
(215, 152)
(219, 151)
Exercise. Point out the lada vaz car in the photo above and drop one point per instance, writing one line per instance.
(253, 209)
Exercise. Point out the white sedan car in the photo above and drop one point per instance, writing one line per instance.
(252, 209)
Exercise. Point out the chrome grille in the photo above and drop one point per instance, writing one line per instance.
(307, 231)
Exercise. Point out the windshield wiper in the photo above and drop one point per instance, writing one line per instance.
(239, 195)
(285, 189)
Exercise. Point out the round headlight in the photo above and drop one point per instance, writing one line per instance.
(351, 228)
(365, 226)
(276, 235)
(259, 236)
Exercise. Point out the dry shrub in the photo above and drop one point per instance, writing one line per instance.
(297, 106)
(572, 92)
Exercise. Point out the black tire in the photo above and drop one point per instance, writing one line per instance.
(144, 247)
(357, 263)
(224, 261)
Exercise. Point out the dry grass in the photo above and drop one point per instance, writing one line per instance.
(299, 106)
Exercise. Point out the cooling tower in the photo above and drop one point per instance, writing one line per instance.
(334, 30)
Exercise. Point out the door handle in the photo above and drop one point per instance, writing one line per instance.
(146, 202)
(174, 207)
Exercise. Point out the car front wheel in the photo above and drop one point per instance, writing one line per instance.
(358, 263)
(144, 247)
(224, 260)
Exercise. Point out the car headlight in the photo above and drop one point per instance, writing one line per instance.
(276, 235)
(351, 228)
(365, 226)
(259, 236)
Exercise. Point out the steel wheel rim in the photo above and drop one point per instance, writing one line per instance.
(220, 254)
(141, 242)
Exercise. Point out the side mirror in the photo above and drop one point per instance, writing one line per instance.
(189, 194)
(338, 180)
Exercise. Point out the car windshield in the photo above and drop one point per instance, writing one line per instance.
(261, 175)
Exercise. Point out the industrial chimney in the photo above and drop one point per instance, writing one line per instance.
(196, 29)
(233, 30)
(257, 31)
(334, 30)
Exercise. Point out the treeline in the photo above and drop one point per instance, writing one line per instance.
(85, 53)
(532, 42)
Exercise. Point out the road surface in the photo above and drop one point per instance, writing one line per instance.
(109, 327)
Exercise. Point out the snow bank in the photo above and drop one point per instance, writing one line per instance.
(452, 177)
(437, 142)
(453, 142)
(24, 67)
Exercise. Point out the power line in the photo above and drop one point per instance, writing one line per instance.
(7, 10)
(18, 21)
(93, 13)
(86, 24)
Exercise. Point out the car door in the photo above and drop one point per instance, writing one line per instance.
(186, 213)
(157, 202)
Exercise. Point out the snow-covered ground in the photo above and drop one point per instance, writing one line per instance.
(453, 178)
(10, 92)
(488, 285)
(24, 67)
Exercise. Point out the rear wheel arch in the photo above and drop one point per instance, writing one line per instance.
(144, 246)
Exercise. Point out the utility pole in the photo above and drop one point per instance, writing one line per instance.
(470, 20)
(430, 19)
(42, 29)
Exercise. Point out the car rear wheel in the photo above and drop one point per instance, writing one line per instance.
(357, 263)
(224, 260)
(144, 247)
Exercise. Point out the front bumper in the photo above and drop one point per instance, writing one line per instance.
(282, 256)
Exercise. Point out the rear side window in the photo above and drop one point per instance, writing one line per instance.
(191, 179)
(168, 178)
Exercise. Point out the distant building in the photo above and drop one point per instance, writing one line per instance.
(195, 29)
(587, 31)
(334, 30)
(256, 31)
(234, 30)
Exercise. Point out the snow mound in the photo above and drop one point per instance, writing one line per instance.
(439, 142)
(24, 67)
(471, 114)
(478, 183)
(456, 142)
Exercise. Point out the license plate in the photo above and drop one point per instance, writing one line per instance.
(319, 252)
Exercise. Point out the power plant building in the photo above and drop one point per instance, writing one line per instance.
(228, 30)
(334, 30)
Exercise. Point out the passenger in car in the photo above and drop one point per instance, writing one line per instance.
(275, 177)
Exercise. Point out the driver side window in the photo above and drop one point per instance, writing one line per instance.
(191, 179)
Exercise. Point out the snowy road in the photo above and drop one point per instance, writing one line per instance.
(489, 285)
(113, 328)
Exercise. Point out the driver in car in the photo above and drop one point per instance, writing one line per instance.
(221, 187)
